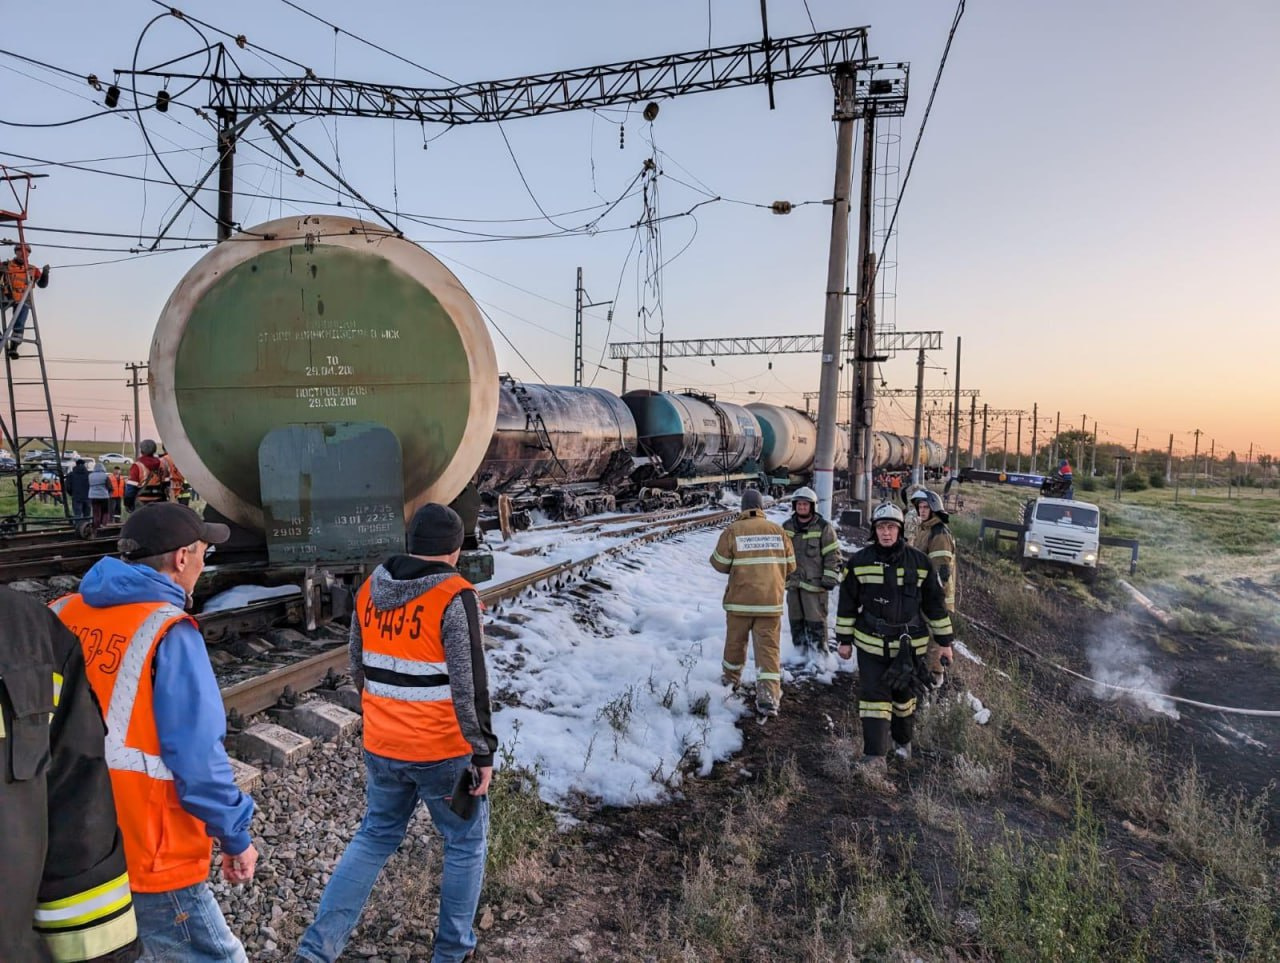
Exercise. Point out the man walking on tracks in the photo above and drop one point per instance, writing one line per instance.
(417, 654)
(756, 554)
(890, 603)
(66, 889)
(817, 552)
(149, 668)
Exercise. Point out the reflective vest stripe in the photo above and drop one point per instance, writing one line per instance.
(393, 663)
(830, 547)
(902, 709)
(125, 694)
(721, 559)
(731, 666)
(83, 907)
(769, 676)
(409, 693)
(758, 561)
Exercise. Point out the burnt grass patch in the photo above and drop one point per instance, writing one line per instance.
(1066, 828)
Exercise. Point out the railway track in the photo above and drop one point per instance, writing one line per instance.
(258, 694)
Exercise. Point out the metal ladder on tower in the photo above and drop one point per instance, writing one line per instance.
(30, 403)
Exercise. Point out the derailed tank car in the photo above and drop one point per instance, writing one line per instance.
(320, 319)
(694, 439)
(566, 449)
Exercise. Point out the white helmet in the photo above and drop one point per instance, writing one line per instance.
(805, 494)
(888, 512)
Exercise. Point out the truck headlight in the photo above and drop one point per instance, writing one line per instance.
(1090, 558)
(1033, 548)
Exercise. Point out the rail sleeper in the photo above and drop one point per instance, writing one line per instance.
(322, 720)
(276, 745)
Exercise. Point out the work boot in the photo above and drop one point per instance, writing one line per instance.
(817, 632)
(874, 771)
(902, 750)
(800, 635)
(730, 681)
(765, 706)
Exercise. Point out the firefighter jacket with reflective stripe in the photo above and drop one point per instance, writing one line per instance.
(66, 891)
(888, 596)
(817, 552)
(407, 700)
(934, 539)
(757, 556)
(167, 847)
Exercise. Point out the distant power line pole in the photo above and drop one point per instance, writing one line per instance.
(66, 427)
(1195, 460)
(580, 304)
(1035, 422)
(135, 383)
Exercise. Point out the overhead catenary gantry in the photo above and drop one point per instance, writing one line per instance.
(864, 90)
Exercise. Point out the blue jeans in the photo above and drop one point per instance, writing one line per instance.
(185, 926)
(393, 789)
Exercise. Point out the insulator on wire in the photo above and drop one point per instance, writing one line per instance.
(162, 101)
(113, 96)
(781, 207)
(622, 137)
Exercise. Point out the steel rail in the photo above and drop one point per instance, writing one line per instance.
(256, 695)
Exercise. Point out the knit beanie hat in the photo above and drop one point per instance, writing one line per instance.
(434, 530)
(752, 498)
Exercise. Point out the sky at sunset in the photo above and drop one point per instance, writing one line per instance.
(1093, 208)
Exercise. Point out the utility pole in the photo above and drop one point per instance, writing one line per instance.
(1208, 468)
(1057, 430)
(1004, 446)
(226, 172)
(124, 430)
(1035, 422)
(1168, 465)
(915, 451)
(955, 427)
(1019, 468)
(661, 360)
(135, 384)
(973, 424)
(66, 426)
(1093, 455)
(1195, 460)
(579, 304)
(984, 436)
(829, 384)
(1135, 443)
(624, 377)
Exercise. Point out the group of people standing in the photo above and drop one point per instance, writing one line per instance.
(116, 781)
(103, 496)
(894, 609)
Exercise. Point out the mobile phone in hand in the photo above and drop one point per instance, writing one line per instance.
(462, 802)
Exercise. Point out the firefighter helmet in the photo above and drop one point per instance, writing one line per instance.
(888, 512)
(930, 498)
(805, 494)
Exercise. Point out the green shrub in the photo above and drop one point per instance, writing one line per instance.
(1133, 482)
(1087, 484)
(1156, 479)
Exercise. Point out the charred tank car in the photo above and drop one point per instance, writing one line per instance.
(569, 451)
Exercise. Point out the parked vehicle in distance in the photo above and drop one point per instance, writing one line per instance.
(7, 465)
(113, 458)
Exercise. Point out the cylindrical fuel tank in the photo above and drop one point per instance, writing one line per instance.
(841, 459)
(881, 449)
(694, 435)
(554, 435)
(898, 450)
(934, 454)
(321, 319)
(790, 437)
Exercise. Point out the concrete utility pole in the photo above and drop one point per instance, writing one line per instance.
(915, 451)
(862, 414)
(226, 172)
(1093, 455)
(1136, 432)
(66, 427)
(1004, 446)
(955, 426)
(1195, 460)
(1035, 422)
(1019, 468)
(135, 384)
(829, 385)
(984, 437)
(1057, 430)
(973, 424)
(1168, 464)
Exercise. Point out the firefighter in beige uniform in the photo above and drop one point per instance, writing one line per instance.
(934, 538)
(757, 556)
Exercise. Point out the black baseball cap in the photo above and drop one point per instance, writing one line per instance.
(164, 527)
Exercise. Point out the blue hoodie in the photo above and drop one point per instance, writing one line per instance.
(190, 718)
